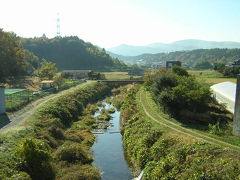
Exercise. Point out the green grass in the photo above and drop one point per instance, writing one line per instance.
(164, 153)
(205, 73)
(155, 112)
(210, 77)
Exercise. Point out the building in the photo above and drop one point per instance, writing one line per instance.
(170, 64)
(76, 74)
(225, 93)
(2, 100)
(46, 84)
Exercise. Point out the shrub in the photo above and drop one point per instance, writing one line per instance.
(21, 176)
(34, 158)
(180, 71)
(77, 172)
(73, 152)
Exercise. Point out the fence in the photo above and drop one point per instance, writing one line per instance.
(17, 98)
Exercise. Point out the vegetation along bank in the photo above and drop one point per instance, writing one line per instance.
(56, 143)
(164, 153)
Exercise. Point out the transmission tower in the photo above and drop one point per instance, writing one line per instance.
(58, 26)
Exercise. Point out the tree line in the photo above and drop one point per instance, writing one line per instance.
(192, 58)
(24, 56)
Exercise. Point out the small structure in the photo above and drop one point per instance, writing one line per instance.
(76, 74)
(236, 63)
(170, 64)
(136, 72)
(225, 93)
(236, 118)
(46, 84)
(2, 100)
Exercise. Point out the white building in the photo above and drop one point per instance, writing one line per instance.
(225, 93)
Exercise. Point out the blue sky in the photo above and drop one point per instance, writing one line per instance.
(108, 23)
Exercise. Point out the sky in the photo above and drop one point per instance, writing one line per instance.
(108, 23)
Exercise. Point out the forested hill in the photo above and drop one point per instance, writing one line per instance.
(72, 53)
(183, 45)
(190, 58)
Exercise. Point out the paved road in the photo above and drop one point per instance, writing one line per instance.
(171, 125)
(13, 120)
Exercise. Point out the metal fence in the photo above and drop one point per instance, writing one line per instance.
(17, 98)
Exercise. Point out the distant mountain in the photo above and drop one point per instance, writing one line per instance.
(188, 58)
(70, 53)
(189, 44)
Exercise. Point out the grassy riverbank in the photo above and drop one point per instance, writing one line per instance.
(164, 153)
(56, 141)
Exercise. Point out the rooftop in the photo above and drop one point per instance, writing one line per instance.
(13, 91)
(227, 89)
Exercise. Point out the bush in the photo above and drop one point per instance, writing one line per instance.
(180, 71)
(34, 158)
(77, 172)
(73, 152)
(21, 176)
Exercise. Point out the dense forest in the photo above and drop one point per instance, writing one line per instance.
(189, 58)
(70, 53)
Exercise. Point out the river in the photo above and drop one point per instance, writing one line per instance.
(108, 151)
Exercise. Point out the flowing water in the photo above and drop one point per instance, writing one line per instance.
(108, 152)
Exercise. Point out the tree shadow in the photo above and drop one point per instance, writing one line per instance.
(4, 120)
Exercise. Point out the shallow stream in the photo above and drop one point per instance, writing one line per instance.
(108, 151)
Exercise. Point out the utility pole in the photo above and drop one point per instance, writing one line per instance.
(236, 118)
(58, 25)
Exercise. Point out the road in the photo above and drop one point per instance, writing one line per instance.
(176, 127)
(17, 118)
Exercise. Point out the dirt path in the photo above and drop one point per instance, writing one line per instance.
(171, 125)
(18, 117)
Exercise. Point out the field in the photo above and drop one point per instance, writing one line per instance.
(118, 75)
(210, 76)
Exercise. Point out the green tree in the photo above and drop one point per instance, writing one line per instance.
(204, 65)
(180, 71)
(58, 81)
(47, 70)
(12, 56)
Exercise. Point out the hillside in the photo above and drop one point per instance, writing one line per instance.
(189, 44)
(72, 53)
(189, 58)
